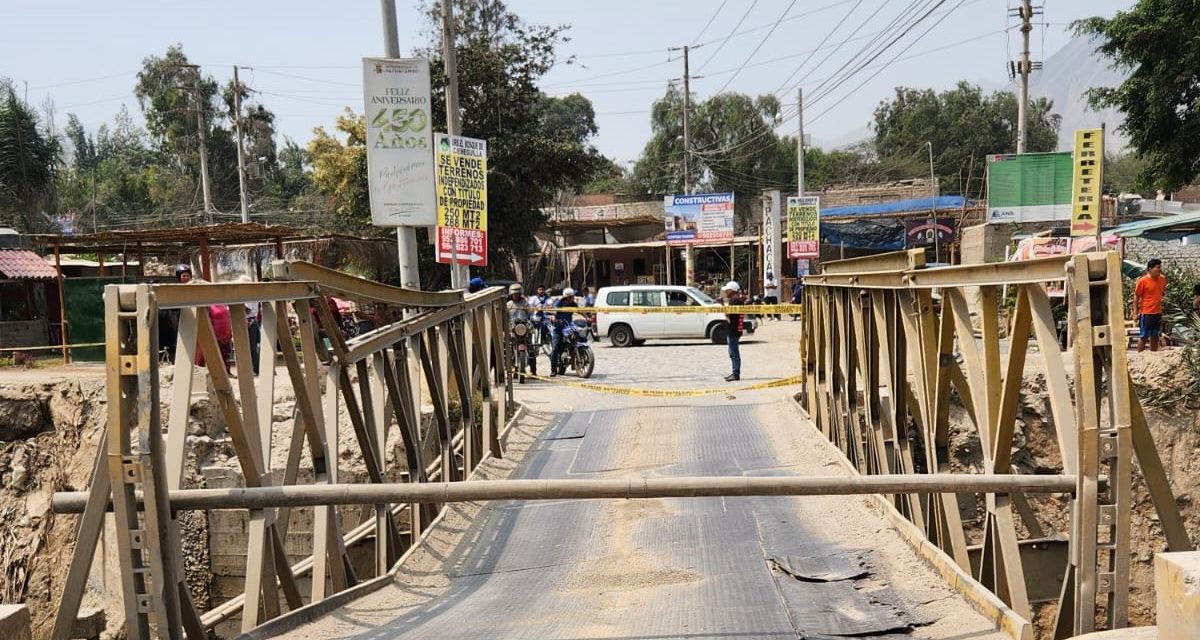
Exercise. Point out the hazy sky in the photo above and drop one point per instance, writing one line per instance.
(306, 54)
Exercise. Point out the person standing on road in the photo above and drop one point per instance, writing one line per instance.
(797, 295)
(771, 292)
(1148, 305)
(562, 319)
(732, 295)
(253, 327)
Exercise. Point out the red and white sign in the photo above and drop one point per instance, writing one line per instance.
(469, 246)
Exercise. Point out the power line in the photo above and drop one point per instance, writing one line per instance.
(726, 40)
(709, 23)
(760, 45)
(826, 39)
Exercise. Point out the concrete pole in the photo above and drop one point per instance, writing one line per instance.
(1024, 64)
(241, 154)
(204, 183)
(937, 245)
(406, 237)
(687, 107)
(459, 273)
(800, 142)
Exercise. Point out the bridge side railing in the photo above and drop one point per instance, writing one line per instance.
(886, 345)
(454, 345)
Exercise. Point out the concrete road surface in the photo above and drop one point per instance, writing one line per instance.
(663, 568)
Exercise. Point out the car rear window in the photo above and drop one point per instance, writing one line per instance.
(617, 299)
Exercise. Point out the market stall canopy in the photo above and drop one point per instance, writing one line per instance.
(1165, 228)
(21, 264)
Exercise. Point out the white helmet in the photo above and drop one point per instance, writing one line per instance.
(731, 286)
(568, 292)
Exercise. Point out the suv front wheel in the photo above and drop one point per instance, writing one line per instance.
(719, 333)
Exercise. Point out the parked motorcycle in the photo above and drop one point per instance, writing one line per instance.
(524, 357)
(577, 355)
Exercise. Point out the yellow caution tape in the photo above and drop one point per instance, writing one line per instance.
(666, 393)
(761, 310)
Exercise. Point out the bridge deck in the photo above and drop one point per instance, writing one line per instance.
(663, 568)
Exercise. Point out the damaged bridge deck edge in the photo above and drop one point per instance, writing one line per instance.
(978, 596)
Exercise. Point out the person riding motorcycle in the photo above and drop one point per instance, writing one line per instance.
(562, 320)
(521, 310)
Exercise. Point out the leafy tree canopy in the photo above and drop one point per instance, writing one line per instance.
(28, 162)
(964, 126)
(1155, 41)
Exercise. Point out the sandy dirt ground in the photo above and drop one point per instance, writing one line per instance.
(664, 568)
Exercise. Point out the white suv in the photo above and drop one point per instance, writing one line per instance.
(632, 329)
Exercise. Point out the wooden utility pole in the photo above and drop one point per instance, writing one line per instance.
(241, 155)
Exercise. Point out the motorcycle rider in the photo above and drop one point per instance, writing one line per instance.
(562, 320)
(520, 310)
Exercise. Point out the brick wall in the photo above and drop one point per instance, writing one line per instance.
(1186, 256)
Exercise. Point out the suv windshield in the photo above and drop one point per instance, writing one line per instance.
(701, 296)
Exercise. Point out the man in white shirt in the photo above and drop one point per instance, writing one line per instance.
(771, 292)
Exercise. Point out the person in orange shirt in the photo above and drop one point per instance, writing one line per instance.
(1148, 305)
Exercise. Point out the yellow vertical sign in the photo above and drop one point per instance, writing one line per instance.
(1086, 187)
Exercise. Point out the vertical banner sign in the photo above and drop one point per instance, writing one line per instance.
(772, 228)
(804, 226)
(461, 200)
(705, 217)
(396, 95)
(1086, 189)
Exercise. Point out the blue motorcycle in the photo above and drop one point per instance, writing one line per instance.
(576, 353)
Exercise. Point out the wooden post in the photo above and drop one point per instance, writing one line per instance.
(205, 260)
(141, 265)
(279, 248)
(62, 304)
(100, 258)
(124, 264)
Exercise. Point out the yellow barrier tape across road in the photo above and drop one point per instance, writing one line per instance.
(665, 393)
(760, 310)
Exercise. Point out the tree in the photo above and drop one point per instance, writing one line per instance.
(1160, 98)
(964, 126)
(538, 145)
(340, 168)
(28, 160)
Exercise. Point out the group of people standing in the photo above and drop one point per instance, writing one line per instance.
(221, 320)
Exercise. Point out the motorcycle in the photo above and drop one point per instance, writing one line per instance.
(523, 357)
(576, 353)
(539, 339)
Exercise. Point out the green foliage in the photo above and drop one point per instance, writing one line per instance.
(1122, 174)
(538, 145)
(1160, 99)
(964, 126)
(28, 162)
(340, 167)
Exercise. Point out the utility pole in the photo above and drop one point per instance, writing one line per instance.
(1024, 66)
(241, 156)
(800, 142)
(687, 107)
(406, 237)
(937, 244)
(204, 183)
(459, 273)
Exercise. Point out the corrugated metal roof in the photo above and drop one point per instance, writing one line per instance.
(19, 263)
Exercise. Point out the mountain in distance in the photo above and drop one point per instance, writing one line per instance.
(1065, 78)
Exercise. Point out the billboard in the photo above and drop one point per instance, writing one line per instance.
(461, 168)
(922, 232)
(400, 182)
(772, 230)
(804, 226)
(706, 217)
(1086, 190)
(1029, 187)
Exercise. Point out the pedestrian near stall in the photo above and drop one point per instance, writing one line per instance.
(771, 293)
(1148, 305)
(732, 295)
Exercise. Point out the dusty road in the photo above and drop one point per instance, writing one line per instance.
(664, 568)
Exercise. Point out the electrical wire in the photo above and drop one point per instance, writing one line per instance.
(709, 23)
(726, 40)
(760, 46)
